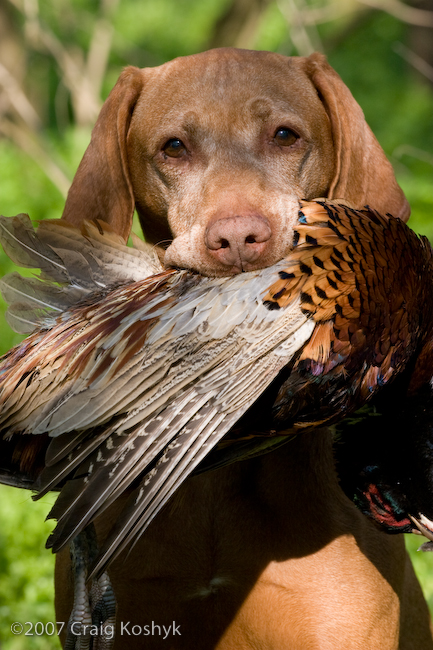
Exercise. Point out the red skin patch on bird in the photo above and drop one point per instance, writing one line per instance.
(382, 511)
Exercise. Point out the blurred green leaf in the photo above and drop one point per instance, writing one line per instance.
(27, 569)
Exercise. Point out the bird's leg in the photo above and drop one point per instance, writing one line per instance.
(103, 607)
(91, 625)
(80, 620)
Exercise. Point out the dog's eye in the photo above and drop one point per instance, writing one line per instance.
(174, 148)
(285, 137)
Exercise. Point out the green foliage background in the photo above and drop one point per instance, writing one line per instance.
(365, 46)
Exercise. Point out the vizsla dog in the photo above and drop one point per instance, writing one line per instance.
(214, 150)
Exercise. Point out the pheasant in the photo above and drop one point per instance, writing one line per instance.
(136, 376)
(385, 459)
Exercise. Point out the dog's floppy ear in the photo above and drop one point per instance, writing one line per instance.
(363, 175)
(101, 188)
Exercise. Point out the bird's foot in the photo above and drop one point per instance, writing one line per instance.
(91, 625)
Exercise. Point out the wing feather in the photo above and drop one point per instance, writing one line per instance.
(197, 408)
(80, 262)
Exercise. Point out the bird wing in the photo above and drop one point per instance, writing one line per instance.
(146, 378)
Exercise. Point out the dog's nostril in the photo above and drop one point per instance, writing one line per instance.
(239, 241)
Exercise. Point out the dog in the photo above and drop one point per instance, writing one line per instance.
(213, 151)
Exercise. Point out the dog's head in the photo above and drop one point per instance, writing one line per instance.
(215, 150)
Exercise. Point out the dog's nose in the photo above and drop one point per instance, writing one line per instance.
(238, 241)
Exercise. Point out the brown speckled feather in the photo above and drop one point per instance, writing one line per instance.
(365, 279)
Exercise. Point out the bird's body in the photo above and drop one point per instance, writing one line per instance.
(133, 380)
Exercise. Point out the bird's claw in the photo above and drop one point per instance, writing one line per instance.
(91, 625)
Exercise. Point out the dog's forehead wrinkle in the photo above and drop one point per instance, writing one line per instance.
(222, 72)
(278, 112)
(196, 84)
(260, 107)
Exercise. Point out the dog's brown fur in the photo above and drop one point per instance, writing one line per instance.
(267, 553)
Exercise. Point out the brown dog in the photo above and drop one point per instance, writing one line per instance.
(214, 150)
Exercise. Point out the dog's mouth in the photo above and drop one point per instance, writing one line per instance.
(423, 526)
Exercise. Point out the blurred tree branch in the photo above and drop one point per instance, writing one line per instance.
(18, 99)
(26, 131)
(402, 11)
(416, 61)
(34, 146)
(303, 32)
(239, 24)
(80, 72)
(82, 75)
